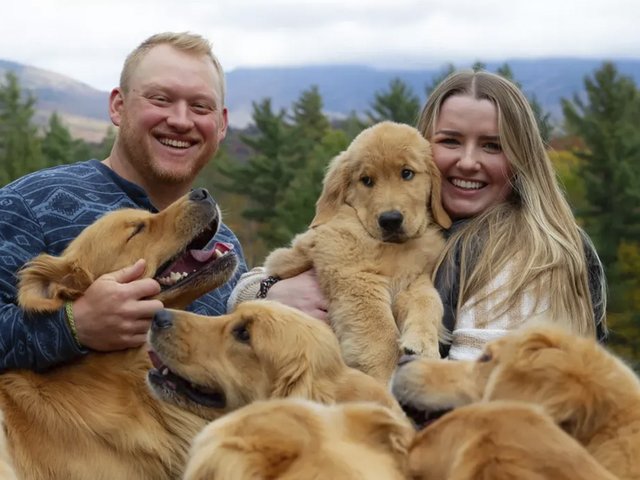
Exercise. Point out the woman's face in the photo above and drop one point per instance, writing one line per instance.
(467, 150)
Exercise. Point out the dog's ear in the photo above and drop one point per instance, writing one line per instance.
(379, 425)
(334, 189)
(437, 210)
(46, 282)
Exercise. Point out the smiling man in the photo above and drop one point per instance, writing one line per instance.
(170, 111)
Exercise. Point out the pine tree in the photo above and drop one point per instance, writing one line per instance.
(438, 78)
(58, 146)
(607, 120)
(20, 150)
(398, 104)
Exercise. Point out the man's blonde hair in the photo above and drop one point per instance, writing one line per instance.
(184, 41)
(534, 233)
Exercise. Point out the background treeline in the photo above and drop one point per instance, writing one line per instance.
(268, 176)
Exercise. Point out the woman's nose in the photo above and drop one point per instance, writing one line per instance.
(468, 159)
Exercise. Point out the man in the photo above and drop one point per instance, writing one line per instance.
(170, 111)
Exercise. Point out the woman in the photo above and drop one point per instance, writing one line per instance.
(515, 252)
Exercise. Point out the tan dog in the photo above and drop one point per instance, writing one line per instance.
(214, 365)
(500, 441)
(374, 244)
(6, 467)
(95, 418)
(588, 392)
(302, 440)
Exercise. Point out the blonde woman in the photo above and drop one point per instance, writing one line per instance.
(515, 253)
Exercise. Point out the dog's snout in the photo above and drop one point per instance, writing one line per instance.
(390, 221)
(198, 194)
(406, 358)
(162, 319)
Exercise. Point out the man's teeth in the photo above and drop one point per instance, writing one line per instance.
(174, 143)
(469, 185)
(175, 277)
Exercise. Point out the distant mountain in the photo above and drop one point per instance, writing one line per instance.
(343, 88)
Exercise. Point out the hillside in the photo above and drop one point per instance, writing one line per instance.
(344, 88)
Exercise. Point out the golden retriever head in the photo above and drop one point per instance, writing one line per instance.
(213, 365)
(298, 439)
(578, 382)
(388, 177)
(175, 243)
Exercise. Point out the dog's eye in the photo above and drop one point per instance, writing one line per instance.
(485, 357)
(137, 228)
(241, 334)
(407, 174)
(367, 181)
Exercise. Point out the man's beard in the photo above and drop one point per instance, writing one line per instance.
(136, 149)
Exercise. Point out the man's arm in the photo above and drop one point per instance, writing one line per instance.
(28, 341)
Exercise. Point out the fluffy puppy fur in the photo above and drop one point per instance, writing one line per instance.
(588, 392)
(297, 439)
(6, 467)
(214, 365)
(374, 242)
(500, 441)
(95, 418)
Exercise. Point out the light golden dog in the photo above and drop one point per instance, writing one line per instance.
(96, 418)
(303, 440)
(588, 392)
(374, 242)
(214, 365)
(6, 467)
(500, 441)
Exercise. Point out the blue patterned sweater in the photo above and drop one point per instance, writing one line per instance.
(43, 212)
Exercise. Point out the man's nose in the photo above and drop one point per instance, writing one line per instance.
(180, 116)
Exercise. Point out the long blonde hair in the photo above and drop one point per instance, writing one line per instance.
(533, 233)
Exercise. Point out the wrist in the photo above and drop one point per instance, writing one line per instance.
(71, 323)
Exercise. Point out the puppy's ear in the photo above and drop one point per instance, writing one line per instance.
(334, 190)
(437, 210)
(46, 282)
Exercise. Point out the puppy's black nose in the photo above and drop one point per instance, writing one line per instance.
(390, 221)
(198, 194)
(162, 319)
(406, 358)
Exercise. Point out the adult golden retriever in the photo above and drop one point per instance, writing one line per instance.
(96, 418)
(374, 242)
(500, 440)
(214, 365)
(296, 439)
(588, 392)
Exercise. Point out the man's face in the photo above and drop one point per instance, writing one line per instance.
(172, 119)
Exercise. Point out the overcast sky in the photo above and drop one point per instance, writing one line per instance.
(88, 39)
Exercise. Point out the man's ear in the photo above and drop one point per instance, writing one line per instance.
(116, 101)
(47, 282)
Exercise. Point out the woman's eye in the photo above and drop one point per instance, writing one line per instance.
(367, 181)
(449, 142)
(407, 174)
(493, 147)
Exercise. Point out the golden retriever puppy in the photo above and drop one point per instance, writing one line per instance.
(95, 418)
(500, 441)
(374, 242)
(214, 365)
(588, 392)
(302, 440)
(6, 468)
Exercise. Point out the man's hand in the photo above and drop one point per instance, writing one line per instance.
(301, 292)
(111, 314)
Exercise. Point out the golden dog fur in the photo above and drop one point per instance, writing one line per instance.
(500, 440)
(588, 392)
(95, 418)
(374, 243)
(261, 350)
(302, 440)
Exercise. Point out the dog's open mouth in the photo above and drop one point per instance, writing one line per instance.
(200, 253)
(165, 380)
(420, 417)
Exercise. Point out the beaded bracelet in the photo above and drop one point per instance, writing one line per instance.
(265, 285)
(68, 309)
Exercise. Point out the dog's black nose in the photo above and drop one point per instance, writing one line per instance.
(198, 194)
(390, 221)
(406, 358)
(162, 319)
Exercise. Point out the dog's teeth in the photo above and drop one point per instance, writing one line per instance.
(165, 371)
(217, 253)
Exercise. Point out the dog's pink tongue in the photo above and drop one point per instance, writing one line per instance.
(155, 359)
(205, 254)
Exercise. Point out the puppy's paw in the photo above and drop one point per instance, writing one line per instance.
(411, 345)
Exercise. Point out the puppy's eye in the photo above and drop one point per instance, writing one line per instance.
(241, 333)
(485, 357)
(367, 181)
(407, 174)
(139, 227)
